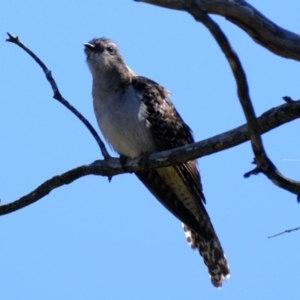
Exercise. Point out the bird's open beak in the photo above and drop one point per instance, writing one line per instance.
(89, 46)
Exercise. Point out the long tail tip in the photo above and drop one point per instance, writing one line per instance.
(219, 283)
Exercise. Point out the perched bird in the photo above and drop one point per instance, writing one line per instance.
(137, 118)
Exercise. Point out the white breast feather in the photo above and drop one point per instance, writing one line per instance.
(120, 122)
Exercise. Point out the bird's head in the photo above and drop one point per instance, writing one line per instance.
(102, 55)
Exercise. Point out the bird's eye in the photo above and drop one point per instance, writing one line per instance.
(111, 49)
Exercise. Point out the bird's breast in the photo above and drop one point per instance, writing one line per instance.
(121, 124)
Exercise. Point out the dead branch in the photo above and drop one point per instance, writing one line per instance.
(112, 166)
(263, 31)
(283, 232)
(57, 95)
(267, 121)
(264, 164)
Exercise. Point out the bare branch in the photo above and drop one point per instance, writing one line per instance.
(112, 166)
(44, 189)
(264, 164)
(57, 95)
(267, 121)
(263, 31)
(286, 231)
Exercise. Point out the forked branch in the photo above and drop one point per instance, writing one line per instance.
(264, 164)
(57, 95)
(111, 166)
(263, 31)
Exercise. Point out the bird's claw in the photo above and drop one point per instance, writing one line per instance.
(123, 161)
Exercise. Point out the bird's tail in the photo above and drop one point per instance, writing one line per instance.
(213, 256)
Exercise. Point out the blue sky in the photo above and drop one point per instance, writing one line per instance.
(98, 240)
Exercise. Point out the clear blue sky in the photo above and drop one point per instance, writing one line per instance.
(98, 240)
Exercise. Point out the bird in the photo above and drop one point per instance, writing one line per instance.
(137, 118)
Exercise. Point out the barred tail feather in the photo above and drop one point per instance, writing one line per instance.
(213, 256)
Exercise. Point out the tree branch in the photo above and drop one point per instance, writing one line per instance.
(283, 232)
(264, 164)
(112, 166)
(57, 95)
(267, 121)
(263, 31)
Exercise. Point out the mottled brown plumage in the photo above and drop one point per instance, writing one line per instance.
(170, 131)
(137, 118)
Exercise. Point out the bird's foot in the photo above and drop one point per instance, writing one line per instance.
(123, 160)
(144, 161)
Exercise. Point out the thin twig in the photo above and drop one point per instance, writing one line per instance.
(57, 95)
(44, 189)
(283, 232)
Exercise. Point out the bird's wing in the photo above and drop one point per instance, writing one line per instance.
(183, 180)
(178, 187)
